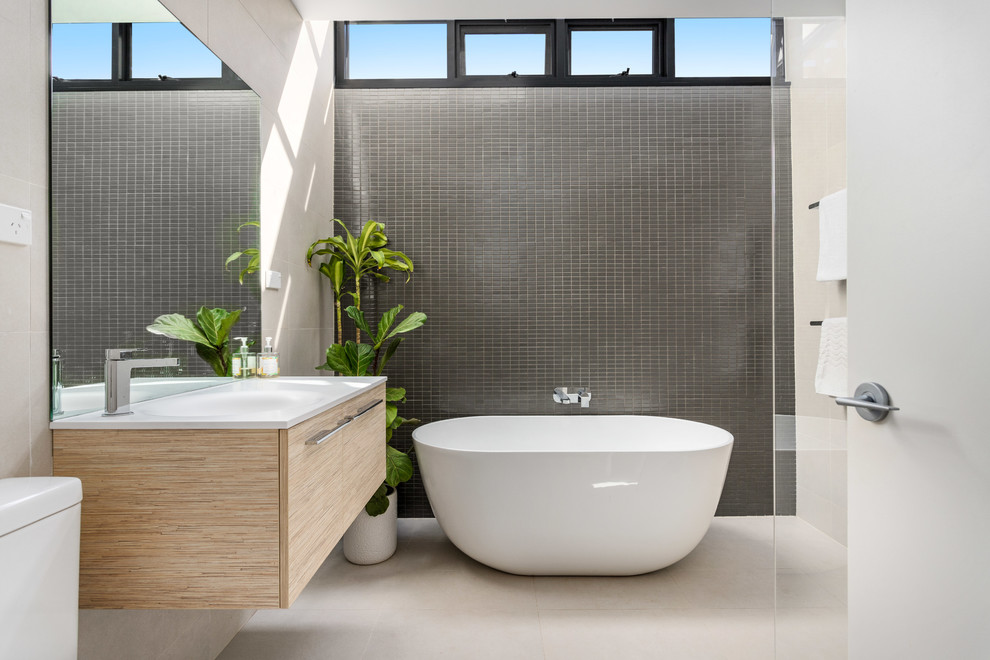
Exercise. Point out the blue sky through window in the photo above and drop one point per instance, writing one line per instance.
(501, 54)
(607, 52)
(172, 50)
(710, 47)
(397, 50)
(81, 51)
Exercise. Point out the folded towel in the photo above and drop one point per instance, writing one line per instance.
(832, 237)
(831, 378)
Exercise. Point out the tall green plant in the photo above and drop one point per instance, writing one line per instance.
(363, 255)
(354, 359)
(210, 332)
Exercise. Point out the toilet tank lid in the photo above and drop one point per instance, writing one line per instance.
(26, 500)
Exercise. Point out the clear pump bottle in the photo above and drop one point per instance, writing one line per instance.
(241, 363)
(268, 361)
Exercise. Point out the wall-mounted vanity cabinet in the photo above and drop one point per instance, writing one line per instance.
(225, 498)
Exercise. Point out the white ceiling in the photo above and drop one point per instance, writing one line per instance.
(355, 10)
(109, 11)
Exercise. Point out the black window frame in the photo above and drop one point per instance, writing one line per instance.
(663, 41)
(558, 54)
(120, 73)
(464, 28)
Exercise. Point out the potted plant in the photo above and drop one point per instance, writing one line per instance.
(372, 536)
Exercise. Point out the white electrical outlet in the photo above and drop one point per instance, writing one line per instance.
(273, 279)
(15, 225)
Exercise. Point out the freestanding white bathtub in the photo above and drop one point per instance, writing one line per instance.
(583, 495)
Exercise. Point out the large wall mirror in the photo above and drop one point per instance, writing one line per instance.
(155, 159)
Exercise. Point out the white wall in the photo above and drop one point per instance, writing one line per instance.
(289, 63)
(25, 441)
(919, 203)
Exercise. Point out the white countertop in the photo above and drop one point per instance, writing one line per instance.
(255, 403)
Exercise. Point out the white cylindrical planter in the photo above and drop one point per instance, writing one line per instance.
(372, 539)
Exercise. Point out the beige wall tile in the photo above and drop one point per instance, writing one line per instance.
(15, 53)
(15, 404)
(38, 255)
(39, 378)
(194, 14)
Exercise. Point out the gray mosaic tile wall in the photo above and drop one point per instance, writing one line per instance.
(617, 239)
(148, 189)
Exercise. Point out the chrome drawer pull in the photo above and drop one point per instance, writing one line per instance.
(367, 409)
(344, 422)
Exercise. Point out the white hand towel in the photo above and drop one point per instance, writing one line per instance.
(831, 378)
(832, 237)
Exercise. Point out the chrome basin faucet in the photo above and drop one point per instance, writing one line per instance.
(118, 377)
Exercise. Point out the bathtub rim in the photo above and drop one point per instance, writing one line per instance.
(726, 439)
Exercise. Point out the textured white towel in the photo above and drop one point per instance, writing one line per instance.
(832, 237)
(831, 378)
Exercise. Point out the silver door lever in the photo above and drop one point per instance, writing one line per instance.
(870, 400)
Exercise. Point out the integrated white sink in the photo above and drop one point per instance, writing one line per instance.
(252, 403)
(222, 404)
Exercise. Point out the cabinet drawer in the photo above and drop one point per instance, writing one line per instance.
(331, 470)
(176, 519)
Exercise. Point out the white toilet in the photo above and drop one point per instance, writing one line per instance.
(39, 567)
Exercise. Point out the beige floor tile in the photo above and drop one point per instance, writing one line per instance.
(739, 634)
(641, 592)
(420, 529)
(812, 634)
(456, 634)
(296, 635)
(801, 547)
(744, 543)
(625, 634)
(431, 601)
(416, 584)
(728, 588)
(798, 589)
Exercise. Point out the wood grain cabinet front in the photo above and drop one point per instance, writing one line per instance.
(219, 519)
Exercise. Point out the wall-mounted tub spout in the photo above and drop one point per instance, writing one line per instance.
(582, 396)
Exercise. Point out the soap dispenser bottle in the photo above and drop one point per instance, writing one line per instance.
(268, 361)
(240, 363)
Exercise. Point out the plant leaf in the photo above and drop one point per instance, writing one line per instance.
(391, 411)
(378, 504)
(226, 324)
(234, 257)
(212, 358)
(359, 357)
(411, 322)
(398, 466)
(337, 360)
(178, 326)
(389, 352)
(209, 323)
(395, 394)
(388, 318)
(358, 317)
